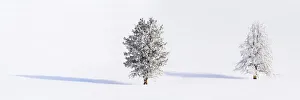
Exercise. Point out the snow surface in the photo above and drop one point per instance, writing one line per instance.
(72, 49)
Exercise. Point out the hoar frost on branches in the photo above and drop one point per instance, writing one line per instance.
(146, 53)
(256, 53)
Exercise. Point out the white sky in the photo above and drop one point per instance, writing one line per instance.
(79, 36)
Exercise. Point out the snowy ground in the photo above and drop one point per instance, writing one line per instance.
(168, 87)
(72, 49)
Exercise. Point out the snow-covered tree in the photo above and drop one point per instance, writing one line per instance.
(146, 53)
(256, 53)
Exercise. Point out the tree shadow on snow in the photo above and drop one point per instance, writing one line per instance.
(73, 79)
(201, 75)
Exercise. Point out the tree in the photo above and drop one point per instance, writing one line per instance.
(256, 53)
(146, 53)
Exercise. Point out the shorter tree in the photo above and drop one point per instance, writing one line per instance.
(256, 53)
(146, 53)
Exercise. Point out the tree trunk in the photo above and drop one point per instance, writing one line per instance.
(145, 81)
(255, 74)
(255, 77)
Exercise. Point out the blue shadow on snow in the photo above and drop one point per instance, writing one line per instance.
(72, 79)
(201, 75)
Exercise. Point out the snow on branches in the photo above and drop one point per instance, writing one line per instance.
(256, 53)
(146, 50)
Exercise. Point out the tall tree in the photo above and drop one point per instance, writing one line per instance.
(146, 53)
(256, 53)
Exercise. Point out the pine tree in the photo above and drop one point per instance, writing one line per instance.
(256, 53)
(146, 53)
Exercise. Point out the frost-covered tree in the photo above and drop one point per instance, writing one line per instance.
(256, 53)
(146, 53)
